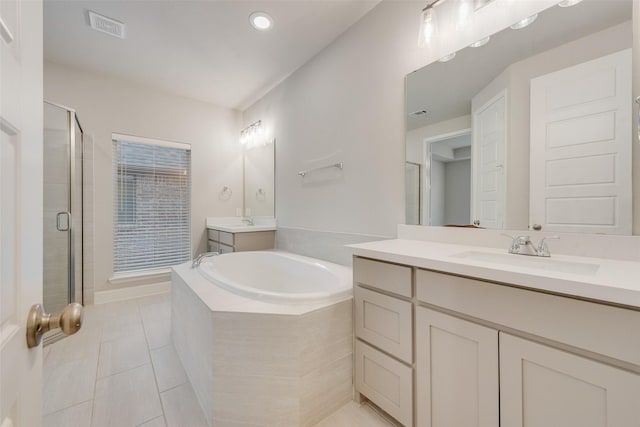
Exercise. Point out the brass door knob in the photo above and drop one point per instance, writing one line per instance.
(69, 320)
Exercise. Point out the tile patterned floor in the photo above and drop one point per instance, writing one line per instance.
(121, 370)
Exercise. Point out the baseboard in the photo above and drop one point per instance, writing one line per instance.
(120, 294)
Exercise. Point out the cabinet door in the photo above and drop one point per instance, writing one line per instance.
(457, 372)
(544, 387)
(224, 249)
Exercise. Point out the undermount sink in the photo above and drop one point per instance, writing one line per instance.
(547, 264)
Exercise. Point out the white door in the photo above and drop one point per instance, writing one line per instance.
(488, 162)
(544, 387)
(581, 147)
(20, 208)
(456, 372)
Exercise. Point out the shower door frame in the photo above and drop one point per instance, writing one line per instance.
(74, 293)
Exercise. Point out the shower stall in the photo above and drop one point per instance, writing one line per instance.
(62, 220)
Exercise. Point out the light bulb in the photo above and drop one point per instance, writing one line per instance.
(427, 27)
(569, 3)
(447, 58)
(480, 42)
(524, 22)
(260, 21)
(465, 9)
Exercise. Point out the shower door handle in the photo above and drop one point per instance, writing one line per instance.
(638, 102)
(63, 221)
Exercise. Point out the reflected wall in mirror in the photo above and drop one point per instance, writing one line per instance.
(259, 181)
(531, 130)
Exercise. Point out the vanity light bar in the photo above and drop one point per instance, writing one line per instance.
(254, 135)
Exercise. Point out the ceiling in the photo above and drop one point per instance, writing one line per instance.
(445, 90)
(205, 50)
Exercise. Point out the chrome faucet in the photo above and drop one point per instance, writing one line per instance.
(247, 221)
(197, 260)
(522, 245)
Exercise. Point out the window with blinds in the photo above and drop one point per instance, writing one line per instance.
(151, 204)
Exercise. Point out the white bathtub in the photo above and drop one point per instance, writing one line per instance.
(266, 338)
(278, 277)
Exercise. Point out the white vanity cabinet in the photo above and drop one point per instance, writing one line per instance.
(542, 386)
(384, 336)
(491, 354)
(456, 371)
(225, 242)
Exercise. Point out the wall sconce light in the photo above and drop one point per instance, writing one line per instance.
(428, 24)
(254, 136)
(464, 9)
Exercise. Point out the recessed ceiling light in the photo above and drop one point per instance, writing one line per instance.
(569, 3)
(525, 22)
(447, 57)
(480, 42)
(260, 21)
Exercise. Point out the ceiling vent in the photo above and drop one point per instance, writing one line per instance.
(106, 25)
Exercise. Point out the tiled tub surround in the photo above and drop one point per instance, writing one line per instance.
(327, 245)
(121, 370)
(253, 363)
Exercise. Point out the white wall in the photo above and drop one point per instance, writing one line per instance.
(457, 197)
(438, 190)
(347, 104)
(636, 113)
(415, 137)
(259, 169)
(107, 104)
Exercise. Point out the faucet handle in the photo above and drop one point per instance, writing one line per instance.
(543, 249)
(515, 245)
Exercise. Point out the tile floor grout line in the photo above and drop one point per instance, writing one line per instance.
(66, 407)
(153, 366)
(155, 374)
(150, 419)
(95, 382)
(176, 386)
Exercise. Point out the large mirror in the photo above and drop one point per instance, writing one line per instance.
(259, 181)
(532, 129)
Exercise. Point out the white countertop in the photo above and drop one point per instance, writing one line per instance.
(614, 281)
(235, 224)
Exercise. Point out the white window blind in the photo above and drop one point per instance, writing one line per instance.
(151, 204)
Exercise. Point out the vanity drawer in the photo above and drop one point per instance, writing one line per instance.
(225, 249)
(385, 381)
(598, 328)
(254, 241)
(387, 277)
(384, 322)
(214, 235)
(214, 246)
(226, 238)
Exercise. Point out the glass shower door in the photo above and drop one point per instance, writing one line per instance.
(62, 221)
